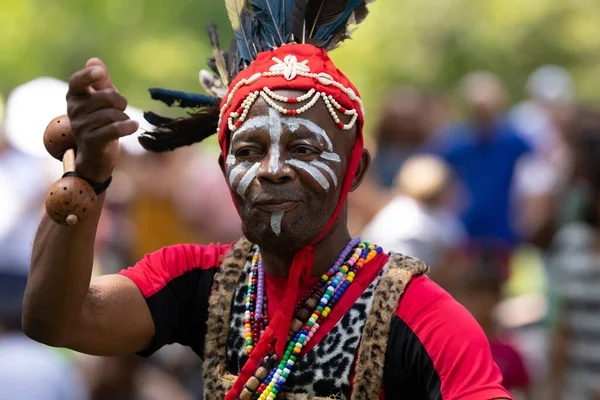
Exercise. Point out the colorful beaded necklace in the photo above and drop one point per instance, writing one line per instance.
(308, 315)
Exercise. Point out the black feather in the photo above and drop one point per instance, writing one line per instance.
(181, 131)
(156, 119)
(298, 20)
(324, 23)
(360, 13)
(182, 99)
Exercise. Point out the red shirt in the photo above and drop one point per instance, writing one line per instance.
(436, 350)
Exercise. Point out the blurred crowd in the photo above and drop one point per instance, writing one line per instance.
(502, 200)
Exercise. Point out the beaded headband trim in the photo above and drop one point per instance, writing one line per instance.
(290, 68)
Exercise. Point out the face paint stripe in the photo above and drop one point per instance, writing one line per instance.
(327, 169)
(260, 121)
(314, 172)
(275, 134)
(230, 160)
(247, 179)
(294, 124)
(330, 156)
(237, 170)
(276, 218)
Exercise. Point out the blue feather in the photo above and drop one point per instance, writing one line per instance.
(324, 33)
(262, 25)
(182, 99)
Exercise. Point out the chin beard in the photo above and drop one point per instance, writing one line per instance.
(289, 240)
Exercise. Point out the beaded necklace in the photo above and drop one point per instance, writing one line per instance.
(308, 315)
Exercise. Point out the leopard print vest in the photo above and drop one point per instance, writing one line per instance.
(359, 338)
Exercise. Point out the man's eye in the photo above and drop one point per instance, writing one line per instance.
(305, 150)
(247, 152)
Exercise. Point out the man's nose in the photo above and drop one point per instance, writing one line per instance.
(273, 167)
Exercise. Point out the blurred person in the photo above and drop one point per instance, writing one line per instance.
(480, 293)
(129, 378)
(417, 221)
(156, 218)
(214, 217)
(400, 133)
(437, 111)
(542, 177)
(22, 181)
(483, 152)
(573, 260)
(550, 90)
(30, 370)
(368, 199)
(290, 134)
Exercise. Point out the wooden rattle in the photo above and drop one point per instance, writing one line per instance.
(70, 199)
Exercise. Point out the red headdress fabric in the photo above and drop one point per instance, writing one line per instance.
(301, 67)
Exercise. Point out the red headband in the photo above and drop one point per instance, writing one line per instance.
(301, 67)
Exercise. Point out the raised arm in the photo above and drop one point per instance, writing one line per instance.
(63, 306)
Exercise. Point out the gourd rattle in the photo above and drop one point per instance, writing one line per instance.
(70, 199)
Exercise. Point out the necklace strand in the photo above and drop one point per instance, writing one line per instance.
(309, 314)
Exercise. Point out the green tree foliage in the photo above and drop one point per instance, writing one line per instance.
(430, 43)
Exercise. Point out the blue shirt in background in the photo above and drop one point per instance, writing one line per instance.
(485, 165)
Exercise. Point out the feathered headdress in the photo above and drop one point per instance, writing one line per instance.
(259, 26)
(278, 44)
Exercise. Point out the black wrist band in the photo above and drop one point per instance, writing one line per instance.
(98, 187)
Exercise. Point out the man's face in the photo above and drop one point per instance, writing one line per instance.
(286, 173)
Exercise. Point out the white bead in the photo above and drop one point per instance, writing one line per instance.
(351, 94)
(253, 78)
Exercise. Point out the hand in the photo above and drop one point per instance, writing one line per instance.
(95, 109)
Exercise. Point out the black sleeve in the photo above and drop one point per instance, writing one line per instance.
(180, 310)
(409, 372)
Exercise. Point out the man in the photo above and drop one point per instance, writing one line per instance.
(484, 152)
(429, 231)
(298, 307)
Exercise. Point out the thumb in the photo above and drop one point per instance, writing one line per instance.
(104, 83)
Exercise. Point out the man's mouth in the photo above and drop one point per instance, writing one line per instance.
(272, 206)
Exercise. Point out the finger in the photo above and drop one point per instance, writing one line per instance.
(98, 119)
(105, 98)
(116, 130)
(81, 81)
(106, 81)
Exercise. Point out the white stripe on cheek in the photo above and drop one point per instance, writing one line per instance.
(237, 170)
(275, 135)
(276, 218)
(330, 156)
(326, 168)
(314, 172)
(247, 179)
(230, 160)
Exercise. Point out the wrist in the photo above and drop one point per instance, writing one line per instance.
(96, 174)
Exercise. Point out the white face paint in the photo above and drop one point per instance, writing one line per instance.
(275, 135)
(249, 169)
(276, 218)
(247, 179)
(274, 123)
(313, 171)
(312, 167)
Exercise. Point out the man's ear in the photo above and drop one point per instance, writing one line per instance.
(361, 172)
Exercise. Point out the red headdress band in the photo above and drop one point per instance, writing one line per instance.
(301, 67)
